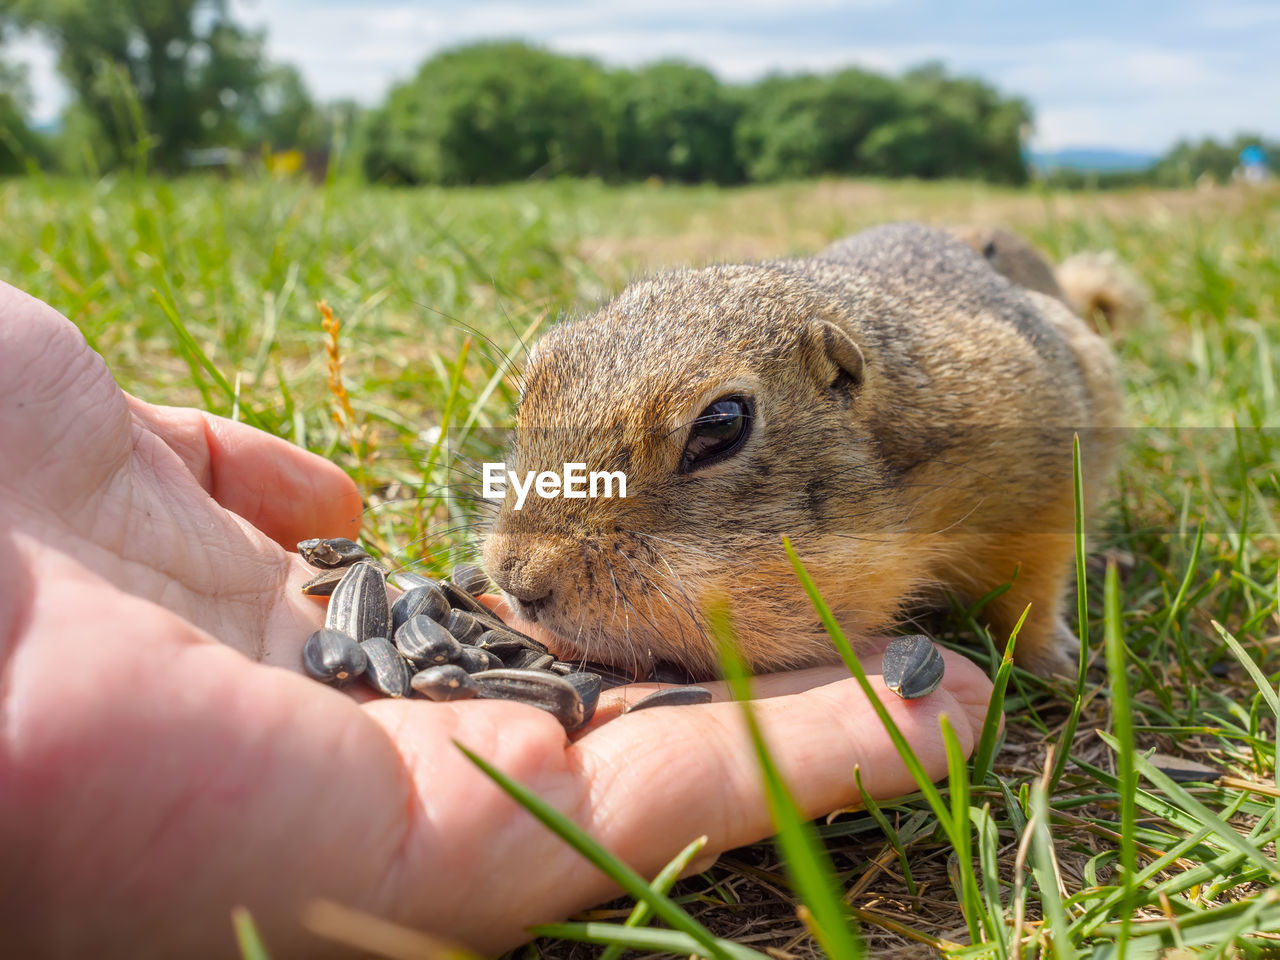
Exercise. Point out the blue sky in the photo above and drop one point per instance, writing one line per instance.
(1112, 74)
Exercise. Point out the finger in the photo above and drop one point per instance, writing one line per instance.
(698, 773)
(614, 701)
(284, 491)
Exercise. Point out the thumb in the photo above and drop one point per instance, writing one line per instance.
(697, 771)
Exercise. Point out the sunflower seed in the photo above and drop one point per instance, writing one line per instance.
(445, 682)
(500, 639)
(665, 672)
(464, 626)
(470, 578)
(426, 600)
(332, 657)
(588, 686)
(425, 642)
(460, 599)
(324, 582)
(406, 580)
(358, 606)
(387, 672)
(672, 697)
(612, 676)
(525, 659)
(547, 691)
(473, 660)
(334, 552)
(912, 666)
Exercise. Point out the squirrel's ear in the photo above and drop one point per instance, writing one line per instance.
(835, 358)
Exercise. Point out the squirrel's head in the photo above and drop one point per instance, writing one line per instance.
(736, 410)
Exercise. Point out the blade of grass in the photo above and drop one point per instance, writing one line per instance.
(961, 832)
(197, 357)
(662, 883)
(991, 727)
(1063, 751)
(989, 864)
(247, 937)
(873, 808)
(1192, 564)
(1042, 866)
(806, 860)
(373, 935)
(644, 938)
(845, 649)
(1181, 798)
(617, 871)
(1255, 672)
(1122, 725)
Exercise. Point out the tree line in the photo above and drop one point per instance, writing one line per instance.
(495, 112)
(160, 84)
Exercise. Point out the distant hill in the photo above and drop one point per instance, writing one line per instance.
(1091, 159)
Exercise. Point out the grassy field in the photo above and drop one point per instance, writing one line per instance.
(205, 292)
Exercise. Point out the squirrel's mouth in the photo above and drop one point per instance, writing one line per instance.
(579, 643)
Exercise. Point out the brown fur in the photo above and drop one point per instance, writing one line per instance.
(1096, 286)
(913, 422)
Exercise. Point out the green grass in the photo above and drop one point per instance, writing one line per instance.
(1071, 842)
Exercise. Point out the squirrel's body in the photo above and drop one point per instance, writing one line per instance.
(909, 427)
(1095, 285)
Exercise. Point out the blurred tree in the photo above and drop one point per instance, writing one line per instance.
(160, 77)
(20, 146)
(806, 125)
(675, 121)
(281, 113)
(492, 112)
(1188, 161)
(973, 130)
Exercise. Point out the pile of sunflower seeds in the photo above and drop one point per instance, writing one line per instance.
(437, 641)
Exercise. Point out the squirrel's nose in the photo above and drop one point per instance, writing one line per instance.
(526, 581)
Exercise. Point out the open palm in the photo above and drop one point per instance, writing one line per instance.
(157, 766)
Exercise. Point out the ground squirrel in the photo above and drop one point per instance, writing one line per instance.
(892, 404)
(1096, 285)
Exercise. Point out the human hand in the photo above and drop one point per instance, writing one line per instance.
(157, 767)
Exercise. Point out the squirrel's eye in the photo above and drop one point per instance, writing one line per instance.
(717, 433)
